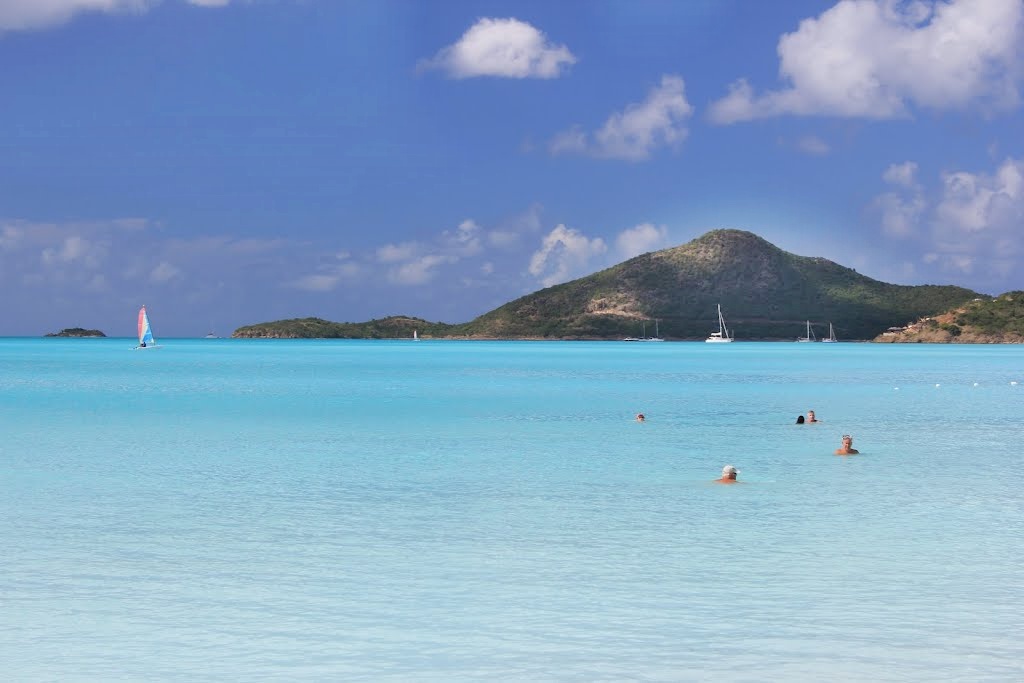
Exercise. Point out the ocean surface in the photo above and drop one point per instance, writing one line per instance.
(235, 510)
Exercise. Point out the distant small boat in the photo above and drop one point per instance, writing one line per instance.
(831, 335)
(810, 334)
(657, 333)
(211, 335)
(415, 335)
(643, 335)
(146, 339)
(722, 335)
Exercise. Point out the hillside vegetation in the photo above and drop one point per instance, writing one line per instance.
(75, 332)
(765, 293)
(394, 327)
(981, 321)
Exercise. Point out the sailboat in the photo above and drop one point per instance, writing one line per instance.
(657, 334)
(831, 335)
(415, 335)
(810, 334)
(146, 339)
(723, 332)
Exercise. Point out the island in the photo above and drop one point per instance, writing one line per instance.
(76, 332)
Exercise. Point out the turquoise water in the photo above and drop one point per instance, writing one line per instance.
(463, 511)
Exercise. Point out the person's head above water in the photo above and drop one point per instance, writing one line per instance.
(799, 419)
(640, 417)
(847, 447)
(729, 474)
(810, 416)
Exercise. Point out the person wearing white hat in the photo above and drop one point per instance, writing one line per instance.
(728, 475)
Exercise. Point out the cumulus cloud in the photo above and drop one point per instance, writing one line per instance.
(901, 209)
(504, 48)
(641, 239)
(876, 58)
(415, 263)
(904, 175)
(419, 270)
(968, 222)
(74, 249)
(464, 240)
(634, 134)
(565, 253)
(18, 15)
(393, 253)
(979, 203)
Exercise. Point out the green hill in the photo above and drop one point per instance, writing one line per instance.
(765, 293)
(981, 321)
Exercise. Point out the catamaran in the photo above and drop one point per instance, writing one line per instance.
(810, 334)
(146, 339)
(723, 332)
(831, 335)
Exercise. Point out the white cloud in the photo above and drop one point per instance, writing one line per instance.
(876, 58)
(420, 270)
(641, 239)
(901, 210)
(164, 272)
(393, 253)
(506, 48)
(635, 133)
(812, 144)
(32, 14)
(74, 249)
(565, 253)
(904, 175)
(465, 240)
(10, 237)
(974, 203)
(900, 215)
(330, 275)
(971, 223)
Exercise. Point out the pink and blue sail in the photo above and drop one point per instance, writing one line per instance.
(145, 331)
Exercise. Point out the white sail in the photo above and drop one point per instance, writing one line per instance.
(723, 332)
(810, 334)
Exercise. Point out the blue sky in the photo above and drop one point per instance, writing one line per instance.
(228, 162)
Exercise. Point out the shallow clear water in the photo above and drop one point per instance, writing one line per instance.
(349, 510)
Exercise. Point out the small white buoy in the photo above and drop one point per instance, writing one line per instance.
(975, 384)
(895, 388)
(938, 385)
(1013, 384)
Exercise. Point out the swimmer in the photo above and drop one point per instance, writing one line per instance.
(728, 475)
(640, 417)
(810, 416)
(847, 447)
(799, 419)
